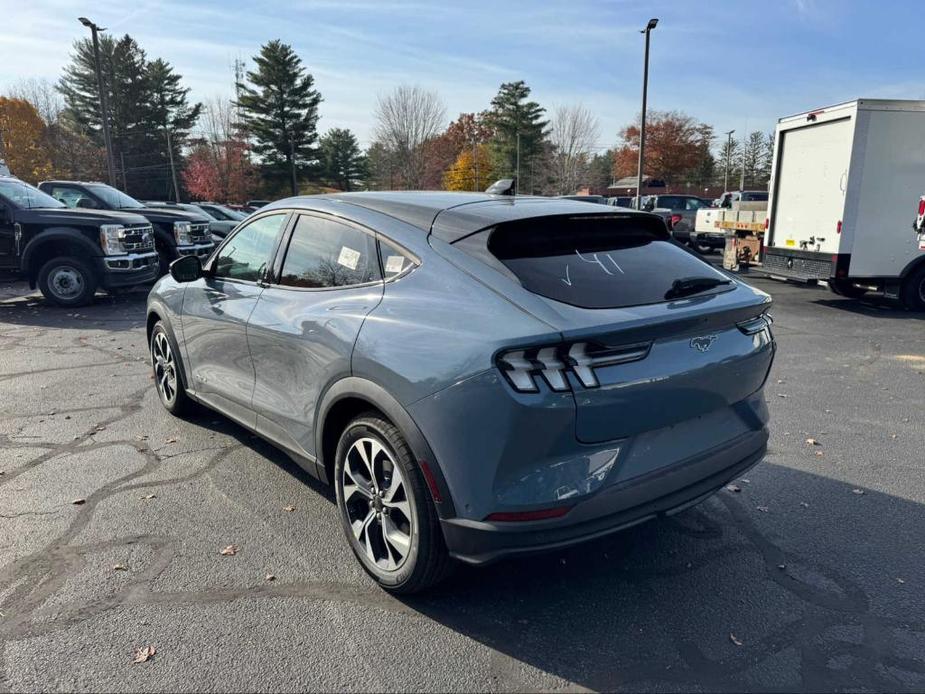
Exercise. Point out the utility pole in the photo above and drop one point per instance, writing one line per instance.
(173, 170)
(517, 175)
(295, 185)
(104, 100)
(124, 179)
(728, 157)
(744, 145)
(642, 125)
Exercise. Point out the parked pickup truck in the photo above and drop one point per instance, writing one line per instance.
(742, 211)
(176, 232)
(219, 228)
(683, 212)
(69, 253)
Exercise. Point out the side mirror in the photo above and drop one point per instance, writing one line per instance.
(186, 269)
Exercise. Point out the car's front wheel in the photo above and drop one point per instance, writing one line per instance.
(166, 368)
(386, 509)
(67, 281)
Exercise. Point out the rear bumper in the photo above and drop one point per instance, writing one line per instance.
(804, 265)
(662, 492)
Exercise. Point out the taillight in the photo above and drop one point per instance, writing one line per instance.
(767, 221)
(838, 227)
(675, 218)
(922, 207)
(525, 369)
(756, 325)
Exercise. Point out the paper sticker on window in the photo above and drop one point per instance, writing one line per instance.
(394, 264)
(349, 258)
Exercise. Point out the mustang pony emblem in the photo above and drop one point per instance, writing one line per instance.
(703, 343)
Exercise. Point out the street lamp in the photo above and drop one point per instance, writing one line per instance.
(728, 157)
(642, 127)
(104, 104)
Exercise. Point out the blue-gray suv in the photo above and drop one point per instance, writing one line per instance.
(479, 376)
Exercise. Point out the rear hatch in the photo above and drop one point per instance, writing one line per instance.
(652, 336)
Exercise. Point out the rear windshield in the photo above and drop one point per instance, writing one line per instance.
(595, 263)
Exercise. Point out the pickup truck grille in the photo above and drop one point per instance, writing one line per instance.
(138, 238)
(199, 233)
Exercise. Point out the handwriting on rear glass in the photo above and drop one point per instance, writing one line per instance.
(603, 260)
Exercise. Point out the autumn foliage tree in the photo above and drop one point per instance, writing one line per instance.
(676, 146)
(471, 170)
(22, 133)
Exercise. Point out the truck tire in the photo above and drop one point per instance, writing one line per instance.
(67, 281)
(913, 289)
(846, 289)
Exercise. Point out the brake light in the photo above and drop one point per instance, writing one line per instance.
(767, 221)
(675, 218)
(525, 369)
(838, 227)
(541, 514)
(922, 207)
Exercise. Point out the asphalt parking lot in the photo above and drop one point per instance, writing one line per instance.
(809, 577)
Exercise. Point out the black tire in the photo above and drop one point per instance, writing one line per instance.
(846, 289)
(913, 290)
(426, 561)
(67, 281)
(164, 361)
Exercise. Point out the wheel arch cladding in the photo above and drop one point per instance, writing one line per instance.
(350, 397)
(54, 243)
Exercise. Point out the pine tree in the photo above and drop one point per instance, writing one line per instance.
(342, 162)
(513, 118)
(280, 113)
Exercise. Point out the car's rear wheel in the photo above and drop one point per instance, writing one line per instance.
(67, 281)
(913, 290)
(387, 512)
(166, 368)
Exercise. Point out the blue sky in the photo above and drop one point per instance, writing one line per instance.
(731, 64)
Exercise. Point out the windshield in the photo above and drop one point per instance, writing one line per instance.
(222, 212)
(26, 196)
(114, 198)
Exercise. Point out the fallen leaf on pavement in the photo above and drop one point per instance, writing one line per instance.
(900, 580)
(745, 481)
(149, 496)
(782, 395)
(171, 440)
(143, 654)
(269, 577)
(733, 488)
(813, 442)
(857, 491)
(229, 551)
(781, 566)
(819, 453)
(119, 567)
(763, 509)
(804, 504)
(736, 641)
(289, 509)
(78, 502)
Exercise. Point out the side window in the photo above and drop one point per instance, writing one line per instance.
(246, 254)
(326, 253)
(394, 261)
(69, 196)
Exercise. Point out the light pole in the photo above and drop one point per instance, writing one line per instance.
(642, 126)
(104, 101)
(728, 157)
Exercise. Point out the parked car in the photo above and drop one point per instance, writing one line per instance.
(729, 197)
(218, 211)
(477, 376)
(256, 204)
(683, 212)
(219, 228)
(176, 232)
(621, 201)
(68, 253)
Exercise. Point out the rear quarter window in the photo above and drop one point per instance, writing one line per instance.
(595, 262)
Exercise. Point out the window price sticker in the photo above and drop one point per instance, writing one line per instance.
(349, 258)
(394, 264)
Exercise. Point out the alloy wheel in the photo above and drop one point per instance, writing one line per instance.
(376, 502)
(165, 372)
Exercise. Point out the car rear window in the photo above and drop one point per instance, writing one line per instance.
(595, 262)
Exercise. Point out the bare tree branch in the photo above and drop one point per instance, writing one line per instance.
(406, 119)
(574, 132)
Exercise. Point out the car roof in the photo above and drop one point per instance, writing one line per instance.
(451, 216)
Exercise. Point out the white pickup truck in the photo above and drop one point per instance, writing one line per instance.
(843, 182)
(737, 211)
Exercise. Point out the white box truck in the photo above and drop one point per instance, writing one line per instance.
(845, 184)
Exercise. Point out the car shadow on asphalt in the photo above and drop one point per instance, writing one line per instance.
(874, 307)
(730, 595)
(117, 312)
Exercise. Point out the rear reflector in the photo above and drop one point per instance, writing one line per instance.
(517, 516)
(431, 481)
(767, 221)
